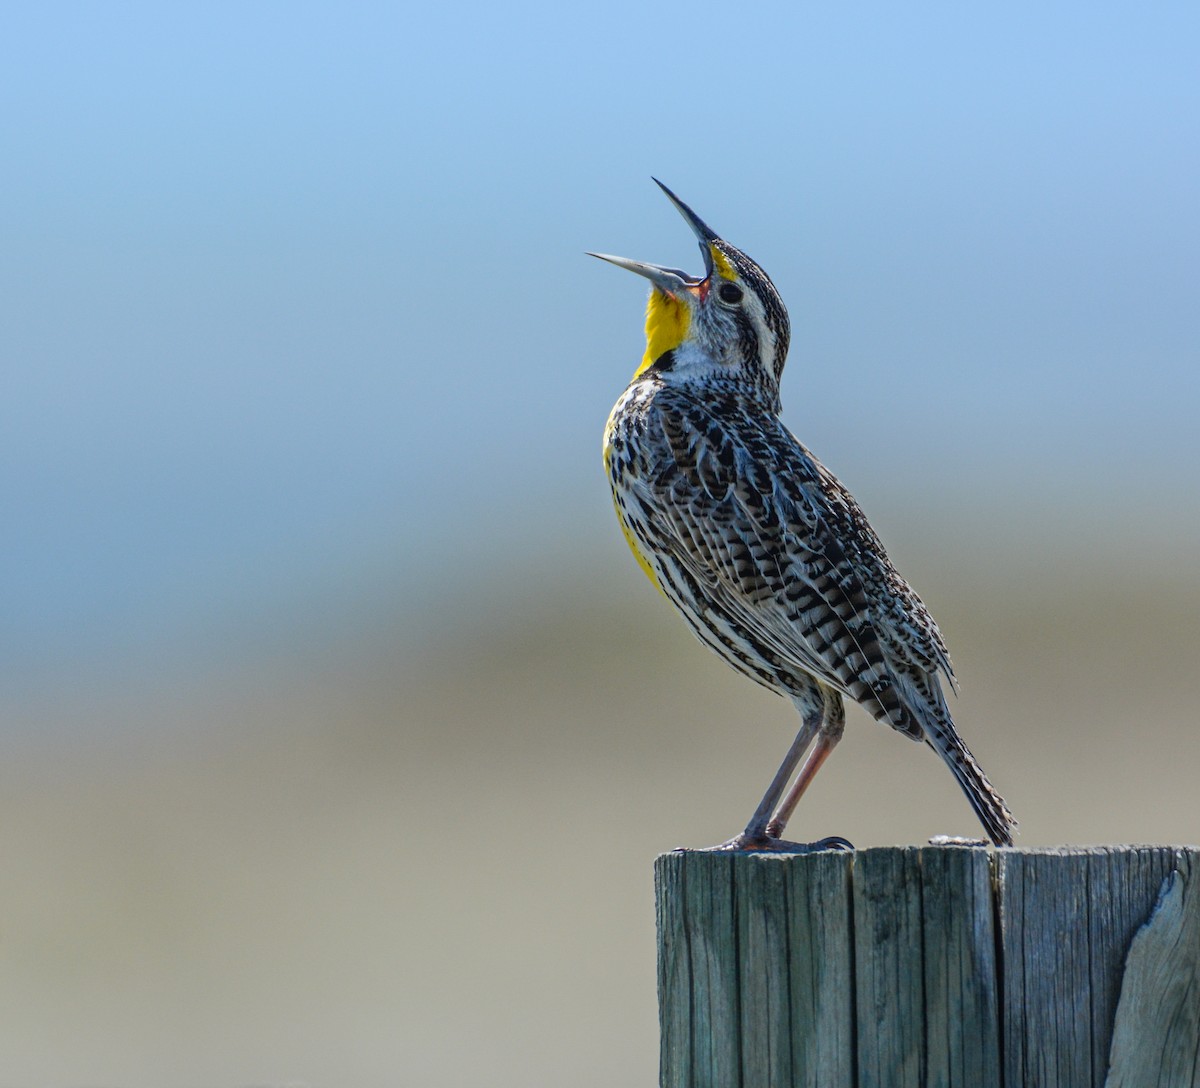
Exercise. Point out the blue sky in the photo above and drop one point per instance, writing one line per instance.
(294, 296)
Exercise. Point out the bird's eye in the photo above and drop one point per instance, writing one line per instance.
(730, 292)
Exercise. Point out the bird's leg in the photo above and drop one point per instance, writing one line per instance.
(832, 724)
(822, 718)
(756, 830)
(812, 708)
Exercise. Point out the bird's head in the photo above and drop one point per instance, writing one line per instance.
(732, 318)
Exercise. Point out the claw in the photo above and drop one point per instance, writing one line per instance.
(761, 844)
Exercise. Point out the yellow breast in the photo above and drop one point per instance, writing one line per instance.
(667, 323)
(630, 538)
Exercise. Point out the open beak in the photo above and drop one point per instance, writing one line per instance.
(672, 280)
(705, 235)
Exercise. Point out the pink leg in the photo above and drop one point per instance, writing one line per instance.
(827, 738)
(757, 826)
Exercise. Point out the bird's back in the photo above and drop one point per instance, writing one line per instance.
(746, 531)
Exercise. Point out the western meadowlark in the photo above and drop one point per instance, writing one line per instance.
(767, 556)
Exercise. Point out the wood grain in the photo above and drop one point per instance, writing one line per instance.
(944, 966)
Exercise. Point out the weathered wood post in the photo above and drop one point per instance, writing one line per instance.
(947, 966)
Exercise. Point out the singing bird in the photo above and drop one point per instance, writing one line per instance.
(762, 550)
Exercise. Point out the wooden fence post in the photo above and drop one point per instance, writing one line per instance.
(930, 967)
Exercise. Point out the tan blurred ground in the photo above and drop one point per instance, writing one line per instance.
(341, 867)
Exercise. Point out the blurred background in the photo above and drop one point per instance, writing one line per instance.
(339, 731)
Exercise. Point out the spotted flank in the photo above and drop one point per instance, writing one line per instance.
(767, 557)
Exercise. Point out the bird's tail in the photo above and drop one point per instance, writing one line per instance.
(989, 806)
(917, 707)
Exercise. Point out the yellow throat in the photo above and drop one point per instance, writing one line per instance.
(667, 321)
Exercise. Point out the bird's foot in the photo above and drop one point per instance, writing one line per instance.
(751, 843)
